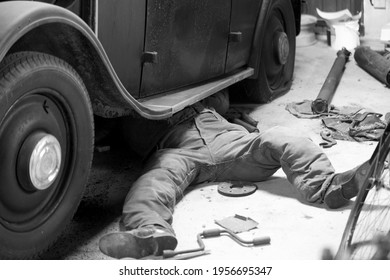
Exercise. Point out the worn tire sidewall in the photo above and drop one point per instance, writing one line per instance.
(258, 90)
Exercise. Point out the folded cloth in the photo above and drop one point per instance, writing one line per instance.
(303, 109)
(351, 123)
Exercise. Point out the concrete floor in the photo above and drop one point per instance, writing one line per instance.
(298, 231)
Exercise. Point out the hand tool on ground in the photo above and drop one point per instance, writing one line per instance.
(329, 141)
(322, 103)
(178, 257)
(243, 119)
(258, 241)
(248, 119)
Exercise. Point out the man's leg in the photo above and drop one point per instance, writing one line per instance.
(148, 207)
(308, 168)
(152, 198)
(304, 163)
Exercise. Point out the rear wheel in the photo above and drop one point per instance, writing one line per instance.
(46, 145)
(277, 56)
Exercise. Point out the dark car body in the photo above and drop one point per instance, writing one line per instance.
(149, 58)
(140, 48)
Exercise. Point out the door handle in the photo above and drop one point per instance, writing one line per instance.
(235, 36)
(150, 57)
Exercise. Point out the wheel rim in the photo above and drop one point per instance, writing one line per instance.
(282, 47)
(374, 216)
(42, 153)
(277, 49)
(36, 166)
(370, 216)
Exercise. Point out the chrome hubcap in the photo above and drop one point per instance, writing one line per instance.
(282, 47)
(39, 161)
(45, 162)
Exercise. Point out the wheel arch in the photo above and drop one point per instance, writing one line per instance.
(40, 27)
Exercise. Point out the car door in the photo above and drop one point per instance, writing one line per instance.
(185, 43)
(121, 25)
(244, 16)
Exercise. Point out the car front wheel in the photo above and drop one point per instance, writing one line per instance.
(46, 148)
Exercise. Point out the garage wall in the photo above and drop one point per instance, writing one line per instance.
(310, 6)
(375, 17)
(376, 13)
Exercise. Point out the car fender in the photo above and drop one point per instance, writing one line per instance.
(41, 27)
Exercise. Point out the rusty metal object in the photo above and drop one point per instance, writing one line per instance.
(374, 63)
(322, 103)
(243, 119)
(248, 119)
(236, 189)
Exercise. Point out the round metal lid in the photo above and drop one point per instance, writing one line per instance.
(236, 188)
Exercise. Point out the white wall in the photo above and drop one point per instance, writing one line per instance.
(375, 19)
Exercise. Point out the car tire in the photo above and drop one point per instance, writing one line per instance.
(46, 149)
(276, 66)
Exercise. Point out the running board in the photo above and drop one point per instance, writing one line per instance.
(176, 101)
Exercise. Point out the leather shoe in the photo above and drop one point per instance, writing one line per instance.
(345, 186)
(137, 243)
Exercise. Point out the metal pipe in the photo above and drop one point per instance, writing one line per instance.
(322, 103)
(374, 63)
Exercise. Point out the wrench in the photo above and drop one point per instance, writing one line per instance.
(215, 233)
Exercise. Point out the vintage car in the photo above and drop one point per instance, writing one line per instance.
(64, 63)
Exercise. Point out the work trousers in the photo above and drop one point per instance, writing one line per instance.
(209, 148)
